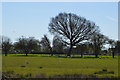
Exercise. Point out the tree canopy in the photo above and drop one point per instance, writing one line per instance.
(27, 45)
(46, 44)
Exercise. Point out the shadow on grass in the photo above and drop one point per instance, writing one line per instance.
(55, 56)
(32, 55)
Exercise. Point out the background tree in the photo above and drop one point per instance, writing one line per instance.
(117, 47)
(6, 45)
(27, 45)
(81, 48)
(72, 28)
(21, 45)
(0, 44)
(33, 45)
(58, 45)
(112, 46)
(90, 48)
(98, 40)
(45, 44)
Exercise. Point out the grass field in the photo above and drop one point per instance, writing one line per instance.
(46, 66)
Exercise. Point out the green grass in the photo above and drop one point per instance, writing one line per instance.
(49, 66)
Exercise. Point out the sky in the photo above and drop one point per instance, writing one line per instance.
(31, 19)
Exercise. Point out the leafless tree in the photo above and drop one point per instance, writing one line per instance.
(72, 28)
(6, 45)
(26, 45)
(98, 40)
(58, 45)
(46, 44)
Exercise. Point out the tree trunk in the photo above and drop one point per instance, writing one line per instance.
(113, 54)
(96, 55)
(5, 53)
(26, 54)
(82, 52)
(96, 52)
(51, 51)
(81, 55)
(51, 54)
(69, 52)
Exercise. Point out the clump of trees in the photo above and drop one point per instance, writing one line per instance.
(26, 45)
(73, 34)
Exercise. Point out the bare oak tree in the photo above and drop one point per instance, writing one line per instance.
(72, 28)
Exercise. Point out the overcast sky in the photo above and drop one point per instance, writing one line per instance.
(31, 19)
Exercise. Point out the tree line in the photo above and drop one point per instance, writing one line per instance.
(73, 34)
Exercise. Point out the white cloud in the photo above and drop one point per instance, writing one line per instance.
(112, 19)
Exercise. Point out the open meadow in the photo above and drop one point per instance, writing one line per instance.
(44, 66)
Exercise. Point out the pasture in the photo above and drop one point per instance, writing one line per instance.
(44, 66)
